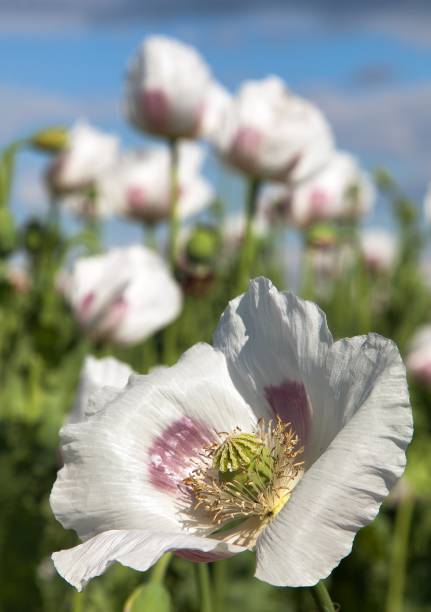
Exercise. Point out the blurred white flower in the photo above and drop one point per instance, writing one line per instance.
(269, 133)
(295, 438)
(234, 228)
(419, 355)
(341, 190)
(140, 186)
(217, 103)
(89, 153)
(97, 375)
(124, 295)
(379, 248)
(169, 89)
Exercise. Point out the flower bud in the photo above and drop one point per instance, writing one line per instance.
(51, 140)
(322, 235)
(37, 237)
(202, 246)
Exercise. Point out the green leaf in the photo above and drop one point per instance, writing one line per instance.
(149, 598)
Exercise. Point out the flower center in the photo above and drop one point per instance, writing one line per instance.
(247, 475)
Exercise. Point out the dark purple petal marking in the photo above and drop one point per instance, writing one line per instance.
(199, 556)
(173, 452)
(290, 402)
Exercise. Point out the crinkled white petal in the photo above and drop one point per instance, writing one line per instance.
(138, 549)
(342, 491)
(124, 465)
(276, 346)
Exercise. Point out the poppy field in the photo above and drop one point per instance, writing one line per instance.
(234, 411)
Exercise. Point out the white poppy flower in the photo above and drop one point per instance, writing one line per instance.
(277, 426)
(419, 354)
(124, 295)
(269, 133)
(167, 89)
(140, 186)
(89, 153)
(97, 374)
(341, 190)
(379, 248)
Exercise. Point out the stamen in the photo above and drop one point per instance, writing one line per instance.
(247, 475)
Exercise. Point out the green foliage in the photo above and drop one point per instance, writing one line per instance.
(41, 352)
(148, 598)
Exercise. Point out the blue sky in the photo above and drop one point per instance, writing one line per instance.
(369, 69)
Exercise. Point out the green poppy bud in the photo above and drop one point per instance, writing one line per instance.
(202, 246)
(51, 140)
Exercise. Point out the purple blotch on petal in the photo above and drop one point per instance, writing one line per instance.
(173, 451)
(290, 402)
(199, 556)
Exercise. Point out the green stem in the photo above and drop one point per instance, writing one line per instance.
(159, 570)
(150, 239)
(398, 564)
(322, 598)
(173, 212)
(248, 247)
(53, 214)
(219, 585)
(77, 602)
(204, 587)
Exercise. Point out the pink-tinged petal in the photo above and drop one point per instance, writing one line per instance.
(343, 489)
(135, 197)
(84, 308)
(138, 549)
(122, 462)
(245, 147)
(156, 110)
(318, 201)
(111, 319)
(276, 346)
(174, 450)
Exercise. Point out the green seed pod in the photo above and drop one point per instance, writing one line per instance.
(244, 459)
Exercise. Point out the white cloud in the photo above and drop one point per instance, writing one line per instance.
(391, 124)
